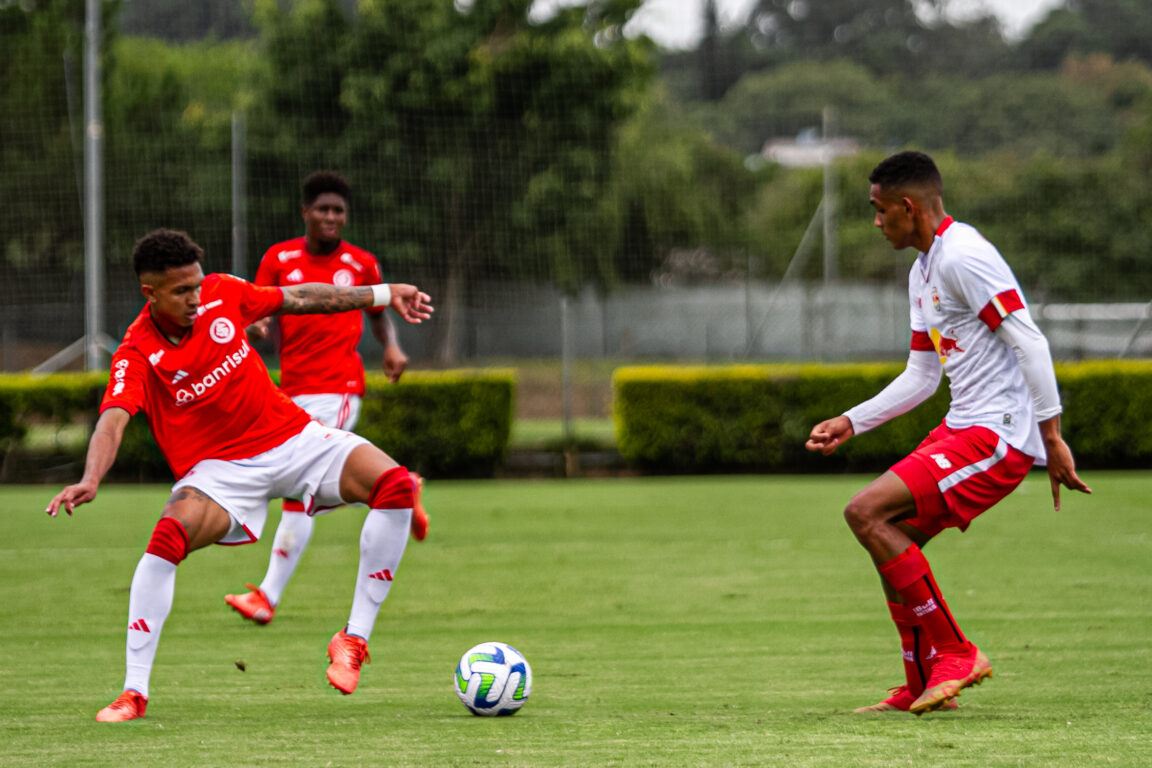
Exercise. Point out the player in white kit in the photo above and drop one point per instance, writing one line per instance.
(969, 320)
(234, 441)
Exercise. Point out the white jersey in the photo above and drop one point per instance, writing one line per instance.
(960, 291)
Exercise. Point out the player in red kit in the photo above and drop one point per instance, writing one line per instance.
(320, 368)
(234, 441)
(969, 321)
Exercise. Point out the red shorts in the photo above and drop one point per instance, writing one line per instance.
(956, 474)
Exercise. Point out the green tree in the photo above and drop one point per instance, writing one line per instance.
(885, 36)
(789, 99)
(1119, 28)
(492, 136)
(41, 138)
(677, 189)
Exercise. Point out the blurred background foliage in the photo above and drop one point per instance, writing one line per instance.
(488, 143)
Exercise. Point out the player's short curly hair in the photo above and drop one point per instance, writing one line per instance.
(164, 249)
(908, 169)
(325, 181)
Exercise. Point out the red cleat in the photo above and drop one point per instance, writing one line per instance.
(129, 705)
(951, 674)
(346, 652)
(252, 605)
(900, 701)
(419, 516)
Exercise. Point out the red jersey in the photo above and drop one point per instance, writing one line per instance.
(208, 396)
(318, 352)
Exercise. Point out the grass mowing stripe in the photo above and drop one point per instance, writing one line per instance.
(687, 621)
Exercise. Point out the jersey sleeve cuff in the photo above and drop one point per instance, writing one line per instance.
(999, 307)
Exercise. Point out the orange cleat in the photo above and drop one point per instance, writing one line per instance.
(900, 701)
(419, 516)
(951, 674)
(252, 605)
(129, 705)
(346, 652)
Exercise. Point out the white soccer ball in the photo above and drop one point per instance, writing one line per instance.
(493, 679)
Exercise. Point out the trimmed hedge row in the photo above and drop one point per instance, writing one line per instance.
(450, 423)
(757, 417)
(455, 423)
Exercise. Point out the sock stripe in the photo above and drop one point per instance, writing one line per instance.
(943, 608)
(918, 638)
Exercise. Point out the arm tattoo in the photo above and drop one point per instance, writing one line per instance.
(323, 299)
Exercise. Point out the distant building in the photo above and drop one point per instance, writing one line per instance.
(808, 150)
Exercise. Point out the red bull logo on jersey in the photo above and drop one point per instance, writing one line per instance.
(945, 345)
(186, 395)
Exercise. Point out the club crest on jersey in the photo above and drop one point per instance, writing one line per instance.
(935, 299)
(343, 278)
(222, 331)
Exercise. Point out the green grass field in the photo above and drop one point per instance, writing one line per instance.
(704, 621)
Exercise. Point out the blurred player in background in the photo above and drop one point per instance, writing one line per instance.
(320, 368)
(234, 442)
(969, 320)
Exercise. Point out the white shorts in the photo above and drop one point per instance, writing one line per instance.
(306, 467)
(340, 411)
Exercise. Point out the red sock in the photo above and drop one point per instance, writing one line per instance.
(917, 650)
(393, 490)
(169, 540)
(910, 575)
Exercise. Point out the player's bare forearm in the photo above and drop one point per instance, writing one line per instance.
(102, 450)
(408, 301)
(324, 299)
(1061, 465)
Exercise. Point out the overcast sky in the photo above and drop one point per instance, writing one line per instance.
(676, 23)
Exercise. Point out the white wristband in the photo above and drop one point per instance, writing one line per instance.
(381, 295)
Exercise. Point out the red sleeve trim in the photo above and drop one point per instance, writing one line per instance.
(131, 408)
(999, 307)
(922, 342)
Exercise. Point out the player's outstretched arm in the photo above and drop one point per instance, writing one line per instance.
(828, 435)
(1061, 465)
(394, 362)
(102, 449)
(410, 302)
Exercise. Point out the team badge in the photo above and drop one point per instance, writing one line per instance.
(222, 331)
(935, 299)
(343, 278)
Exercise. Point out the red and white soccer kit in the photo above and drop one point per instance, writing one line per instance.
(960, 291)
(318, 352)
(207, 396)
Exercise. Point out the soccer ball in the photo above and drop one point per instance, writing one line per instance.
(493, 679)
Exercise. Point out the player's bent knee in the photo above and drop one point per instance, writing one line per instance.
(169, 540)
(394, 489)
(860, 515)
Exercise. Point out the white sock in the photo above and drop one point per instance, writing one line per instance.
(149, 604)
(382, 542)
(292, 537)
